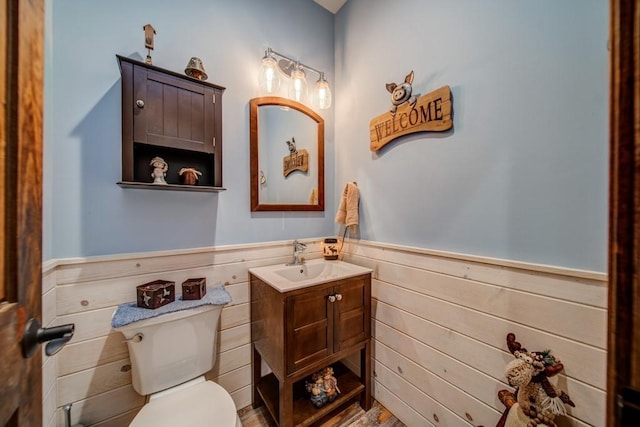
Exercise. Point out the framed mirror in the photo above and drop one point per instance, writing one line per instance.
(287, 156)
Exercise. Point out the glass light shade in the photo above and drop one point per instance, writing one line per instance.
(268, 78)
(322, 93)
(298, 85)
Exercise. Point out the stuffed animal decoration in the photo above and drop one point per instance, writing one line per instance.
(402, 93)
(536, 401)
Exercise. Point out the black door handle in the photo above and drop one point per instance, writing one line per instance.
(55, 337)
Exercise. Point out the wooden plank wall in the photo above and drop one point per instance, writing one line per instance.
(49, 366)
(440, 325)
(93, 369)
(439, 328)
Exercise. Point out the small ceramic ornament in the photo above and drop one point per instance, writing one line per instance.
(160, 168)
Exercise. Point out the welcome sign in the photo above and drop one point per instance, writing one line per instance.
(430, 112)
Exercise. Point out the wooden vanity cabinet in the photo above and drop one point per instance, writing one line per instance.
(172, 116)
(299, 332)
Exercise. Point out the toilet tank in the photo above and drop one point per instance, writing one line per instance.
(174, 347)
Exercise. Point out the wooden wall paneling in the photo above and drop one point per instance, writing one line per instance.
(454, 381)
(420, 402)
(49, 390)
(84, 296)
(236, 379)
(492, 330)
(119, 420)
(447, 384)
(106, 267)
(242, 397)
(102, 406)
(398, 406)
(484, 358)
(232, 359)
(529, 309)
(234, 337)
(582, 360)
(91, 382)
(90, 353)
(584, 287)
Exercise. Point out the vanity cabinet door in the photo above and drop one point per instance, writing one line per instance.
(309, 328)
(352, 314)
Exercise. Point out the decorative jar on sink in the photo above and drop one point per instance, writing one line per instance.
(304, 318)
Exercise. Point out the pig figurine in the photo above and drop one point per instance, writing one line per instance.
(402, 93)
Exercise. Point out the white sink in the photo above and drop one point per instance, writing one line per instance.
(289, 277)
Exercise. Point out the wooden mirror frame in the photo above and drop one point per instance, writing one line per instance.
(254, 104)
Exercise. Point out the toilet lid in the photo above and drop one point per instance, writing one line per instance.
(201, 405)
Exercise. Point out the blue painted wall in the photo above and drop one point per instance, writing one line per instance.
(523, 175)
(85, 212)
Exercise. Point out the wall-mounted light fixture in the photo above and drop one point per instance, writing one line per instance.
(274, 63)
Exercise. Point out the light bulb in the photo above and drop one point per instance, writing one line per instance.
(322, 93)
(298, 85)
(268, 78)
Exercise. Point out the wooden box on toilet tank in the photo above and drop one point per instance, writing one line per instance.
(156, 294)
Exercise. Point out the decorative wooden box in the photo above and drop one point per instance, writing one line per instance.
(194, 288)
(156, 294)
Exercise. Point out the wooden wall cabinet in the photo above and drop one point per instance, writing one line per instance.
(172, 116)
(299, 332)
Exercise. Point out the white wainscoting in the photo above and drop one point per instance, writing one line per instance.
(439, 327)
(92, 371)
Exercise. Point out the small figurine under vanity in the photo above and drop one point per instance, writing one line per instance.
(323, 387)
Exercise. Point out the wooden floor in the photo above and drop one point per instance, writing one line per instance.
(353, 416)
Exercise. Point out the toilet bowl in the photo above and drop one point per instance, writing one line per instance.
(170, 354)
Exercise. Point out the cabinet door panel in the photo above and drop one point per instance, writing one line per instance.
(174, 113)
(309, 327)
(351, 312)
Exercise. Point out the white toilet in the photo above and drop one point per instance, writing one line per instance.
(169, 355)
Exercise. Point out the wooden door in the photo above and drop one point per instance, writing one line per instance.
(21, 90)
(623, 384)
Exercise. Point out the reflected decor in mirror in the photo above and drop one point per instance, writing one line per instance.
(287, 156)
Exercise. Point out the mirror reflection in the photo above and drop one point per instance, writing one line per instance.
(287, 156)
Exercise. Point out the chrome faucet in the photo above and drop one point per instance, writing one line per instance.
(298, 248)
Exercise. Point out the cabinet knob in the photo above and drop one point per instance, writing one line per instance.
(332, 298)
(140, 103)
(338, 297)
